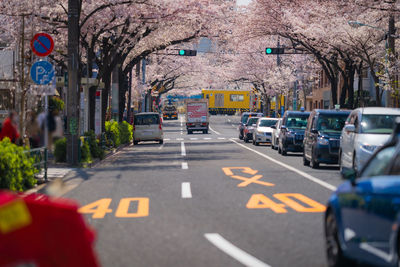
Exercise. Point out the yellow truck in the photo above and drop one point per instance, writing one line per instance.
(229, 101)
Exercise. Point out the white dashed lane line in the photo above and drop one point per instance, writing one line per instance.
(233, 251)
(185, 166)
(186, 191)
(183, 149)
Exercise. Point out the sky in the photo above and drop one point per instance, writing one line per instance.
(243, 2)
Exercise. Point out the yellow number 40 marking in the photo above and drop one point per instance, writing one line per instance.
(100, 208)
(260, 201)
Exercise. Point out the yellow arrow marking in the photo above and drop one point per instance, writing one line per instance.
(247, 170)
(254, 179)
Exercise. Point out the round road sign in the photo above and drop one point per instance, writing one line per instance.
(42, 44)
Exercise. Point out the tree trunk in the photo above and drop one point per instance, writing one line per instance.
(377, 89)
(104, 98)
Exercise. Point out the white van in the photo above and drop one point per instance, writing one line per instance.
(147, 126)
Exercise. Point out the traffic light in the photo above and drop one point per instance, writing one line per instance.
(188, 53)
(274, 51)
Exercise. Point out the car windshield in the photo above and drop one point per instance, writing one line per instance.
(245, 118)
(377, 124)
(267, 123)
(147, 119)
(297, 121)
(252, 121)
(331, 123)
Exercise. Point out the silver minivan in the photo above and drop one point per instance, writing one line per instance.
(366, 130)
(147, 126)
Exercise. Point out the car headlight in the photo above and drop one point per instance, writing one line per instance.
(369, 148)
(290, 135)
(323, 141)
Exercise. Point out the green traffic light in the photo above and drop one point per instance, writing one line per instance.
(268, 50)
(182, 52)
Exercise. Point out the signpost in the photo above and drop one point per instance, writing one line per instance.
(42, 44)
(42, 72)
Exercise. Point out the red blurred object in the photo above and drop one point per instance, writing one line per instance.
(36, 229)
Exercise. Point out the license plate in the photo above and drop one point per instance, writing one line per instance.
(148, 133)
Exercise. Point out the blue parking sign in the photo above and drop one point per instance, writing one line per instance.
(42, 72)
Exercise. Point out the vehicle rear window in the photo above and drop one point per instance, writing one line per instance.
(297, 121)
(147, 119)
(170, 108)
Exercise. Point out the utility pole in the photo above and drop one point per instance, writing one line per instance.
(73, 83)
(128, 110)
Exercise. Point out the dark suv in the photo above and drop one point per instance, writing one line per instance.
(292, 131)
(322, 137)
(243, 121)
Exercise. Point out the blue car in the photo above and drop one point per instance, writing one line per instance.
(363, 216)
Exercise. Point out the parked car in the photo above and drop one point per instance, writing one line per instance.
(322, 137)
(366, 130)
(263, 131)
(249, 127)
(292, 132)
(363, 215)
(243, 119)
(275, 134)
(147, 126)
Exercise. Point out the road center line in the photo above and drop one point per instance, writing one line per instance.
(186, 191)
(212, 130)
(185, 166)
(183, 150)
(233, 251)
(305, 175)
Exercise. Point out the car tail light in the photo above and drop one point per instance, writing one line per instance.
(160, 126)
(204, 124)
(190, 124)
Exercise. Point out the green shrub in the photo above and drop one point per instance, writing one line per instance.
(112, 133)
(86, 156)
(94, 145)
(17, 172)
(60, 150)
(55, 103)
(126, 131)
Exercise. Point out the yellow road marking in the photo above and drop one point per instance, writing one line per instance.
(288, 200)
(259, 201)
(254, 179)
(142, 208)
(99, 208)
(247, 170)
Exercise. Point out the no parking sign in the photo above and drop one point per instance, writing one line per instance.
(42, 44)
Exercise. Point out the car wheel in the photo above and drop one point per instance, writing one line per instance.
(314, 163)
(246, 140)
(284, 152)
(272, 145)
(135, 142)
(334, 252)
(306, 162)
(161, 142)
(279, 149)
(240, 136)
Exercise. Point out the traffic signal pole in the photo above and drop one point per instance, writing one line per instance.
(73, 83)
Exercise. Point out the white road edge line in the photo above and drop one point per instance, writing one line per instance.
(233, 251)
(183, 150)
(185, 166)
(212, 130)
(186, 191)
(305, 175)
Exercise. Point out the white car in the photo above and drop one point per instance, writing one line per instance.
(366, 129)
(263, 131)
(147, 126)
(275, 134)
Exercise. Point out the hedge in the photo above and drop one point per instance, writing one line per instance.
(60, 151)
(94, 145)
(17, 172)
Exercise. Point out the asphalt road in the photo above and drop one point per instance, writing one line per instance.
(205, 200)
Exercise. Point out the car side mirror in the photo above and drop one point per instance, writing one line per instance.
(273, 127)
(283, 128)
(349, 174)
(350, 128)
(314, 131)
